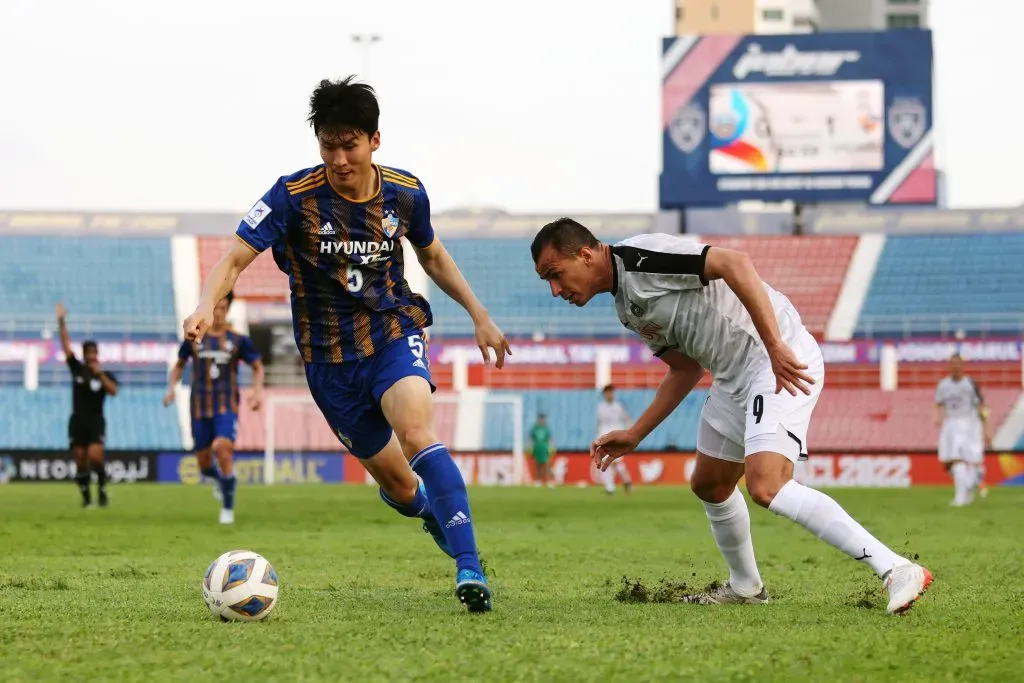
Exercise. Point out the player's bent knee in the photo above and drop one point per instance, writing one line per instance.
(711, 490)
(415, 438)
(763, 489)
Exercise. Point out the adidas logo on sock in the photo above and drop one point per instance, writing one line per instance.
(457, 519)
(327, 229)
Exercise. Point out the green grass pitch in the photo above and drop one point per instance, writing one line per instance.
(114, 594)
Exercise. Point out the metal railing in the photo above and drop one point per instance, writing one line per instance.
(946, 326)
(44, 326)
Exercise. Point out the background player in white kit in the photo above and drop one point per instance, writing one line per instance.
(612, 416)
(961, 412)
(698, 308)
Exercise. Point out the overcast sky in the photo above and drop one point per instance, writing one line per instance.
(533, 105)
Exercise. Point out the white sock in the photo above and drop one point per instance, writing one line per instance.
(827, 520)
(608, 477)
(979, 476)
(730, 525)
(623, 471)
(961, 481)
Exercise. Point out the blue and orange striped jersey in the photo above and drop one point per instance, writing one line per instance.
(344, 260)
(215, 371)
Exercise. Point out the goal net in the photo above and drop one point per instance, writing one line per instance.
(483, 431)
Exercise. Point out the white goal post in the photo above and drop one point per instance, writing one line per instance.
(294, 424)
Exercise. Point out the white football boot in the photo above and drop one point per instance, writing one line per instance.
(227, 516)
(905, 584)
(727, 595)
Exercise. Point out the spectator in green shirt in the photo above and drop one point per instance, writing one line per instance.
(542, 447)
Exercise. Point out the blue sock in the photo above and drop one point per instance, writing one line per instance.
(419, 507)
(212, 472)
(227, 489)
(449, 502)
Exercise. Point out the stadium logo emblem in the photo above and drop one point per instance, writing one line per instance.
(907, 121)
(687, 127)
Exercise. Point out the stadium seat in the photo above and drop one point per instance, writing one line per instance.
(136, 419)
(106, 282)
(938, 284)
(262, 280)
(869, 419)
(572, 417)
(502, 276)
(809, 270)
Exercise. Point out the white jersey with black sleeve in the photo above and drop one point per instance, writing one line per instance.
(661, 294)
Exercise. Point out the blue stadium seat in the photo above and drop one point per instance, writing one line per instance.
(942, 283)
(502, 275)
(572, 417)
(113, 278)
(136, 419)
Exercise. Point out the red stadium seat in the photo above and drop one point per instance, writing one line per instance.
(869, 419)
(262, 281)
(809, 270)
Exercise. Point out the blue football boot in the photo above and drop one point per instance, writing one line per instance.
(472, 591)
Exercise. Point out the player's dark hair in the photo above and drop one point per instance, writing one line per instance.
(337, 106)
(608, 387)
(89, 345)
(565, 235)
(956, 356)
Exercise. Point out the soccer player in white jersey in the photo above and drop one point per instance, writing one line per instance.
(697, 308)
(612, 416)
(961, 412)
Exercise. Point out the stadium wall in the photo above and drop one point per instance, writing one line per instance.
(822, 470)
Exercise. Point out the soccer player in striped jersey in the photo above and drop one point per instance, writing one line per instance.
(335, 230)
(215, 399)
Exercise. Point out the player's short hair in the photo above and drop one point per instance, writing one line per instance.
(89, 345)
(565, 235)
(343, 105)
(956, 356)
(608, 387)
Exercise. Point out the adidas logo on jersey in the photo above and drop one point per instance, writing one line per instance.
(327, 229)
(457, 519)
(418, 363)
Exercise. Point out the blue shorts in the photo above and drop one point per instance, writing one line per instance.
(206, 429)
(348, 394)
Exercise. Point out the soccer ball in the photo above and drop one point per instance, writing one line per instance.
(241, 585)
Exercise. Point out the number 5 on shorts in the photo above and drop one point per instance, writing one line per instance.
(416, 345)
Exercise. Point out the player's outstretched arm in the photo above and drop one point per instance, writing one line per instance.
(220, 281)
(683, 375)
(62, 327)
(173, 378)
(736, 268)
(258, 373)
(441, 268)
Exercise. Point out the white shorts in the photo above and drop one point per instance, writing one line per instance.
(733, 428)
(961, 440)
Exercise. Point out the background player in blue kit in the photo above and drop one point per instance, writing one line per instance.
(334, 229)
(215, 398)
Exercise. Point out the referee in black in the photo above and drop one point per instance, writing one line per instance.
(87, 427)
